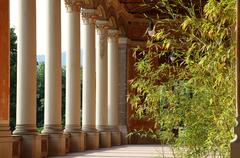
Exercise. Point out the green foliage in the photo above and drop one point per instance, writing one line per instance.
(40, 94)
(13, 77)
(193, 90)
(63, 94)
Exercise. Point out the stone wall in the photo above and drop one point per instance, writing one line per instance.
(5, 138)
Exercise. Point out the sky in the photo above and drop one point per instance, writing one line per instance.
(41, 24)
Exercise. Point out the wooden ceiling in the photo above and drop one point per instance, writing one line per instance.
(140, 8)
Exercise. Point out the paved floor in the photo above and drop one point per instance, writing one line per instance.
(127, 151)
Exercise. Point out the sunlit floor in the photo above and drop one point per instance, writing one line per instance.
(127, 151)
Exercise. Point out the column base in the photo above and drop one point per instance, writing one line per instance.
(124, 133)
(31, 146)
(76, 138)
(6, 144)
(92, 140)
(67, 145)
(56, 144)
(44, 145)
(105, 139)
(16, 146)
(116, 138)
(25, 130)
(52, 129)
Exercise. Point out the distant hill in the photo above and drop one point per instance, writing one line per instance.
(41, 58)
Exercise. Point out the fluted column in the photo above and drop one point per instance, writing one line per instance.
(101, 84)
(53, 80)
(89, 79)
(26, 79)
(113, 85)
(73, 85)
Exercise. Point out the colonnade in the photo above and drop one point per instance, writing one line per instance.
(99, 126)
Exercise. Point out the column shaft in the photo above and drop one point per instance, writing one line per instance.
(53, 81)
(26, 68)
(53, 77)
(26, 80)
(73, 85)
(101, 85)
(89, 79)
(113, 81)
(101, 76)
(73, 73)
(89, 76)
(113, 86)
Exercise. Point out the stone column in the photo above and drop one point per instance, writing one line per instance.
(123, 89)
(5, 135)
(26, 79)
(235, 144)
(113, 86)
(53, 80)
(73, 85)
(101, 84)
(89, 79)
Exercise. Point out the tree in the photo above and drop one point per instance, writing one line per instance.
(193, 90)
(63, 94)
(13, 77)
(40, 94)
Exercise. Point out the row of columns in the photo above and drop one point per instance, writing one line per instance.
(100, 80)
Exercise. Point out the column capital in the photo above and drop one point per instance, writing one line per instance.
(88, 16)
(73, 5)
(102, 26)
(113, 35)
